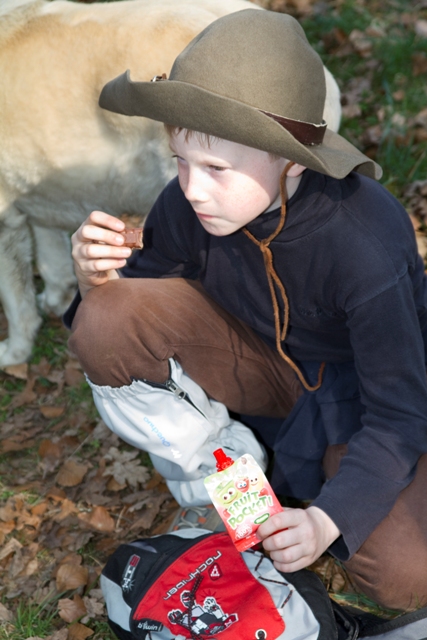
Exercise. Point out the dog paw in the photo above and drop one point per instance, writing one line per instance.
(55, 301)
(10, 356)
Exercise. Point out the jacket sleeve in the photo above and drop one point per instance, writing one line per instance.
(164, 254)
(382, 457)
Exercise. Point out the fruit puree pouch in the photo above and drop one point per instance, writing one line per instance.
(243, 497)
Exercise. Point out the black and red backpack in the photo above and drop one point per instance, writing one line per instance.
(194, 585)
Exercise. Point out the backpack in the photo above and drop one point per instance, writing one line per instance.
(194, 585)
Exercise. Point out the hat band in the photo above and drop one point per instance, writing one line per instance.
(304, 132)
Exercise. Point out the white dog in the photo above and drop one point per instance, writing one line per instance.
(61, 156)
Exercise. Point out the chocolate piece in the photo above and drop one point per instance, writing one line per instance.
(133, 238)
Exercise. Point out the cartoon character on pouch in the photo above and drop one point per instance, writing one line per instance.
(225, 494)
(256, 481)
(205, 619)
(242, 484)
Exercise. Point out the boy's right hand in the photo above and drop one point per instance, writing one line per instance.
(98, 251)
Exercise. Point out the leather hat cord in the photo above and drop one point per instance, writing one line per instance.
(273, 279)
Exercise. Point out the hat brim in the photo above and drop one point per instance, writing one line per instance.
(191, 107)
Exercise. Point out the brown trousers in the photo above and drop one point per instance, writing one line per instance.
(131, 327)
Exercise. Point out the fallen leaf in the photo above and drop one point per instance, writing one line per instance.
(49, 449)
(50, 411)
(31, 567)
(362, 44)
(71, 610)
(11, 547)
(5, 529)
(71, 473)
(5, 614)
(73, 377)
(71, 576)
(113, 485)
(94, 606)
(61, 634)
(98, 519)
(42, 368)
(40, 508)
(125, 469)
(421, 28)
(78, 631)
(26, 396)
(419, 63)
(12, 445)
(19, 371)
(67, 508)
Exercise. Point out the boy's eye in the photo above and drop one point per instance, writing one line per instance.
(216, 168)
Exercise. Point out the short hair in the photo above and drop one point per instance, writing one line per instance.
(204, 138)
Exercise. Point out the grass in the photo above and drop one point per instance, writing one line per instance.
(394, 88)
(30, 620)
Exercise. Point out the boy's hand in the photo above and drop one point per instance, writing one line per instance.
(295, 538)
(98, 251)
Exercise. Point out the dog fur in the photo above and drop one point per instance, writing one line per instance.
(61, 156)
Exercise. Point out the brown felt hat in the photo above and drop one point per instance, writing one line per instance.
(250, 77)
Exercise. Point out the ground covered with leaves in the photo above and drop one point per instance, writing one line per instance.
(70, 490)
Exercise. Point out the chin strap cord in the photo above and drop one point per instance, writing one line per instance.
(273, 279)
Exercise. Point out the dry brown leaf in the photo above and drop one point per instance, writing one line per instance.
(72, 558)
(49, 449)
(71, 576)
(67, 508)
(419, 63)
(12, 444)
(19, 371)
(32, 567)
(71, 610)
(26, 396)
(78, 631)
(17, 564)
(113, 485)
(71, 473)
(56, 494)
(5, 529)
(11, 547)
(125, 469)
(42, 368)
(61, 634)
(98, 519)
(40, 508)
(152, 507)
(94, 606)
(5, 614)
(421, 28)
(361, 43)
(50, 411)
(73, 377)
(8, 512)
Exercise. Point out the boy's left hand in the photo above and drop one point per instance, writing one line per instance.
(295, 538)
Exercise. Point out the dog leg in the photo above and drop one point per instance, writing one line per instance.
(17, 293)
(55, 266)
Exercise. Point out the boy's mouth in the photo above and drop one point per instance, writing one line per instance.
(204, 216)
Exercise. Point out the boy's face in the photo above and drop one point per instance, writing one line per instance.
(228, 185)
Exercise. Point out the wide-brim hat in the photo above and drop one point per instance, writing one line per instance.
(249, 77)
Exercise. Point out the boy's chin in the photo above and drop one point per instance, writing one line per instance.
(220, 230)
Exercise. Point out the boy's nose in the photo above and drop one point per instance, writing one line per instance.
(193, 188)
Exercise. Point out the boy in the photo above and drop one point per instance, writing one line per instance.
(279, 280)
